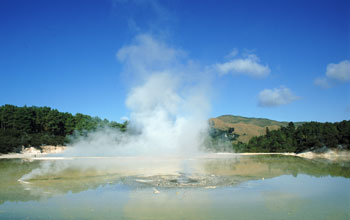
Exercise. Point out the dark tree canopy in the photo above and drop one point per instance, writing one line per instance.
(37, 126)
(314, 136)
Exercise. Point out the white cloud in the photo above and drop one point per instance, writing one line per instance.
(335, 73)
(124, 118)
(233, 53)
(250, 66)
(276, 97)
(340, 71)
(322, 82)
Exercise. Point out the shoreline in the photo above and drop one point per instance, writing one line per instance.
(22, 155)
(330, 155)
(32, 152)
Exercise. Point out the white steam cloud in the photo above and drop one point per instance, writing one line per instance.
(147, 56)
(169, 110)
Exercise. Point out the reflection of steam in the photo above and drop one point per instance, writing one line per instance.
(283, 202)
(206, 171)
(179, 205)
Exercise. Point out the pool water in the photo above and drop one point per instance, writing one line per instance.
(204, 187)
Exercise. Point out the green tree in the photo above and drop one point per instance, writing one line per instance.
(36, 126)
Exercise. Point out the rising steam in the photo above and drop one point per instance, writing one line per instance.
(168, 106)
(169, 109)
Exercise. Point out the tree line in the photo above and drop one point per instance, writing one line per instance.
(37, 126)
(311, 136)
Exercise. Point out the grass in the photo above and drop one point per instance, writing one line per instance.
(246, 127)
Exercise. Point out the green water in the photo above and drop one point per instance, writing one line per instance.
(205, 187)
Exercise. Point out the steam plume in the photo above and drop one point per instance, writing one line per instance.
(168, 107)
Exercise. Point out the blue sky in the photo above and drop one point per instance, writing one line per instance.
(284, 60)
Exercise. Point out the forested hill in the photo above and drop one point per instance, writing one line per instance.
(244, 128)
(311, 136)
(264, 135)
(36, 126)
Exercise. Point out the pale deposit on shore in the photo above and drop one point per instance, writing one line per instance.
(36, 154)
(32, 152)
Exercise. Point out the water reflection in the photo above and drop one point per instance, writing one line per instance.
(172, 204)
(58, 177)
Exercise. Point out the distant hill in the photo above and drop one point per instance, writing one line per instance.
(246, 128)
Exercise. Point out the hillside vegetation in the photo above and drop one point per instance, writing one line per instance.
(264, 135)
(261, 122)
(37, 126)
(311, 136)
(244, 128)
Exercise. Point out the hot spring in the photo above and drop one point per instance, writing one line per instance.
(211, 186)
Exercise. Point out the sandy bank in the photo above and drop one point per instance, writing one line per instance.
(32, 152)
(329, 155)
(22, 155)
(52, 150)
